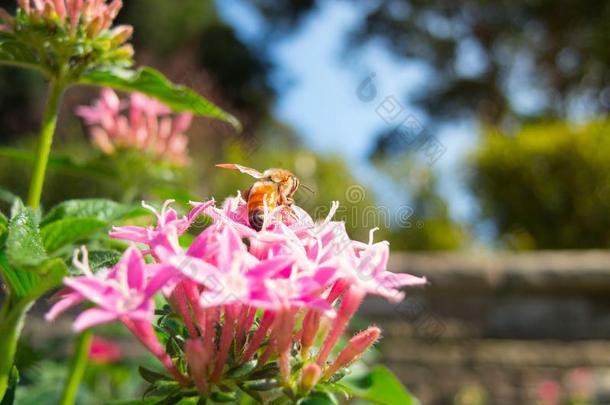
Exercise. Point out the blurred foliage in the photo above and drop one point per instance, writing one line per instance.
(476, 50)
(43, 372)
(422, 222)
(76, 170)
(547, 186)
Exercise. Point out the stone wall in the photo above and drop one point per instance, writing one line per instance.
(500, 325)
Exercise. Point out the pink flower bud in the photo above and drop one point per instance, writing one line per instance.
(121, 34)
(282, 331)
(95, 27)
(6, 17)
(198, 360)
(25, 6)
(60, 9)
(226, 337)
(311, 325)
(124, 52)
(354, 349)
(309, 377)
(351, 302)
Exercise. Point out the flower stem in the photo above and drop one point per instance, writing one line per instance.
(77, 367)
(47, 130)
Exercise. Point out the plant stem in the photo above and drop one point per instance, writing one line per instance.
(10, 329)
(77, 367)
(47, 130)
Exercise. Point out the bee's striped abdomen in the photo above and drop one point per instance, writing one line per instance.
(260, 194)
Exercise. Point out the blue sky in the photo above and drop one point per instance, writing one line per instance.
(321, 102)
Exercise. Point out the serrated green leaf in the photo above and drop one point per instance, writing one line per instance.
(69, 230)
(154, 84)
(98, 260)
(24, 247)
(93, 208)
(380, 386)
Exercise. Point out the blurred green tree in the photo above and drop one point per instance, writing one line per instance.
(481, 53)
(547, 186)
(423, 222)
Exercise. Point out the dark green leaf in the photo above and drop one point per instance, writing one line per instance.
(262, 385)
(94, 208)
(380, 386)
(152, 376)
(318, 398)
(9, 396)
(67, 231)
(223, 397)
(98, 260)
(241, 370)
(154, 84)
(24, 247)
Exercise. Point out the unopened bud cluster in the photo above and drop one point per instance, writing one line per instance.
(66, 37)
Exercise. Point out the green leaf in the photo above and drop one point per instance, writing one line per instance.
(29, 285)
(50, 274)
(69, 230)
(9, 396)
(223, 397)
(3, 229)
(7, 196)
(19, 282)
(152, 376)
(380, 386)
(15, 53)
(318, 398)
(24, 246)
(94, 208)
(154, 84)
(145, 401)
(99, 259)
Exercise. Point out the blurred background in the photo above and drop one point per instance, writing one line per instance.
(474, 134)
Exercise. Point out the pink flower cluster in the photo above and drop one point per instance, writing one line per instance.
(141, 123)
(253, 285)
(90, 18)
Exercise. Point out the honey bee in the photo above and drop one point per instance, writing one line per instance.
(274, 188)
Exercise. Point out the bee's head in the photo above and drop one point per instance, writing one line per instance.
(283, 177)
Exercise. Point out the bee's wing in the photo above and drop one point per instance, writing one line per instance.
(243, 169)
